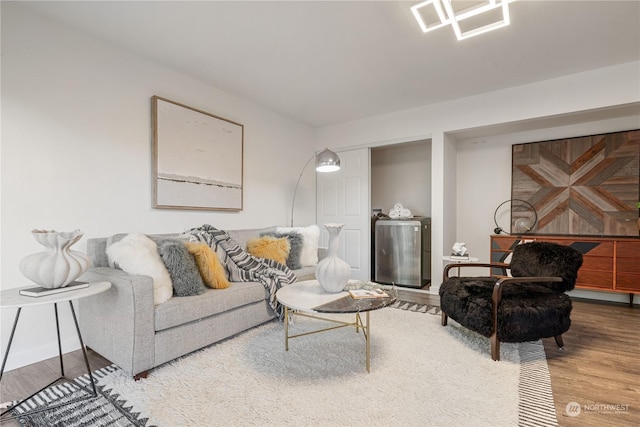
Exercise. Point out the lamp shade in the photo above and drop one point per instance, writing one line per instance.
(327, 161)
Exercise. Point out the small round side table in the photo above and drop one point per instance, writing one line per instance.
(11, 298)
(456, 260)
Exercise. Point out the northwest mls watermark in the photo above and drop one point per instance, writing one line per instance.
(574, 409)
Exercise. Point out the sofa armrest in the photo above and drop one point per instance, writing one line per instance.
(119, 323)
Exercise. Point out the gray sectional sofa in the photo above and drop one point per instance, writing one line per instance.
(123, 325)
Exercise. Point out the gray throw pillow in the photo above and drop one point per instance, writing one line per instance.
(295, 252)
(182, 268)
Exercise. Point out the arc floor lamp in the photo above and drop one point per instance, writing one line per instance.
(326, 161)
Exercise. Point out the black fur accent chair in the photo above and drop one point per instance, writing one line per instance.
(526, 307)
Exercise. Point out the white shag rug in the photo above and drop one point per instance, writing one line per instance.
(422, 374)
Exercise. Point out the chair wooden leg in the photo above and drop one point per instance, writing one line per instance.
(559, 341)
(495, 347)
(444, 318)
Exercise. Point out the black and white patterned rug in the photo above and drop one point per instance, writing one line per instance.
(535, 405)
(420, 308)
(105, 410)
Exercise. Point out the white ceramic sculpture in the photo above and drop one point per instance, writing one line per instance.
(58, 265)
(332, 272)
(459, 249)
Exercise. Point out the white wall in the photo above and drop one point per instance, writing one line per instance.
(468, 183)
(76, 153)
(596, 89)
(402, 174)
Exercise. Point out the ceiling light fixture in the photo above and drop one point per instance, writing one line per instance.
(468, 18)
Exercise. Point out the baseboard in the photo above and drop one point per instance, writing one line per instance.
(604, 296)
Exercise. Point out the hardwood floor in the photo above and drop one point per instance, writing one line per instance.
(597, 367)
(21, 382)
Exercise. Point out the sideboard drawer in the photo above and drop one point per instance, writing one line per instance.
(628, 250)
(628, 282)
(595, 279)
(628, 265)
(597, 263)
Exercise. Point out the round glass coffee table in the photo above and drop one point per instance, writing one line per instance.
(308, 299)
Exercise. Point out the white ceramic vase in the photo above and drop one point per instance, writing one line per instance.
(332, 272)
(58, 265)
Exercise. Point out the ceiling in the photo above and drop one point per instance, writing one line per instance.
(326, 62)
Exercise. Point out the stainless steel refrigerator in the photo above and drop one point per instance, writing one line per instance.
(403, 252)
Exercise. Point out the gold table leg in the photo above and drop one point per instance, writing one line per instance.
(368, 343)
(366, 328)
(286, 328)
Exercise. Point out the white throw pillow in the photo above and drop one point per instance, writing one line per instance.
(138, 254)
(310, 241)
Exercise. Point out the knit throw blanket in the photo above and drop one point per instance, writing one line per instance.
(242, 266)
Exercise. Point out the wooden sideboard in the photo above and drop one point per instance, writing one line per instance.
(610, 264)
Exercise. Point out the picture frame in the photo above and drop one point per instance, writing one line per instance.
(198, 158)
(584, 185)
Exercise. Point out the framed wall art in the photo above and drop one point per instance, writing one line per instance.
(585, 185)
(198, 158)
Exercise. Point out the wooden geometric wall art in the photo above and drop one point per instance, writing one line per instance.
(581, 186)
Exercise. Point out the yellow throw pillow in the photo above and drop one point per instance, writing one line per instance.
(270, 247)
(212, 272)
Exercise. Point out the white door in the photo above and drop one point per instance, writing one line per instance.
(343, 197)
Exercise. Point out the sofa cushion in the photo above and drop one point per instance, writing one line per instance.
(209, 266)
(182, 268)
(138, 254)
(305, 273)
(295, 250)
(310, 242)
(115, 238)
(270, 247)
(242, 236)
(179, 311)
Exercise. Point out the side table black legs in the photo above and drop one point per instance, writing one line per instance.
(89, 393)
(84, 351)
(6, 353)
